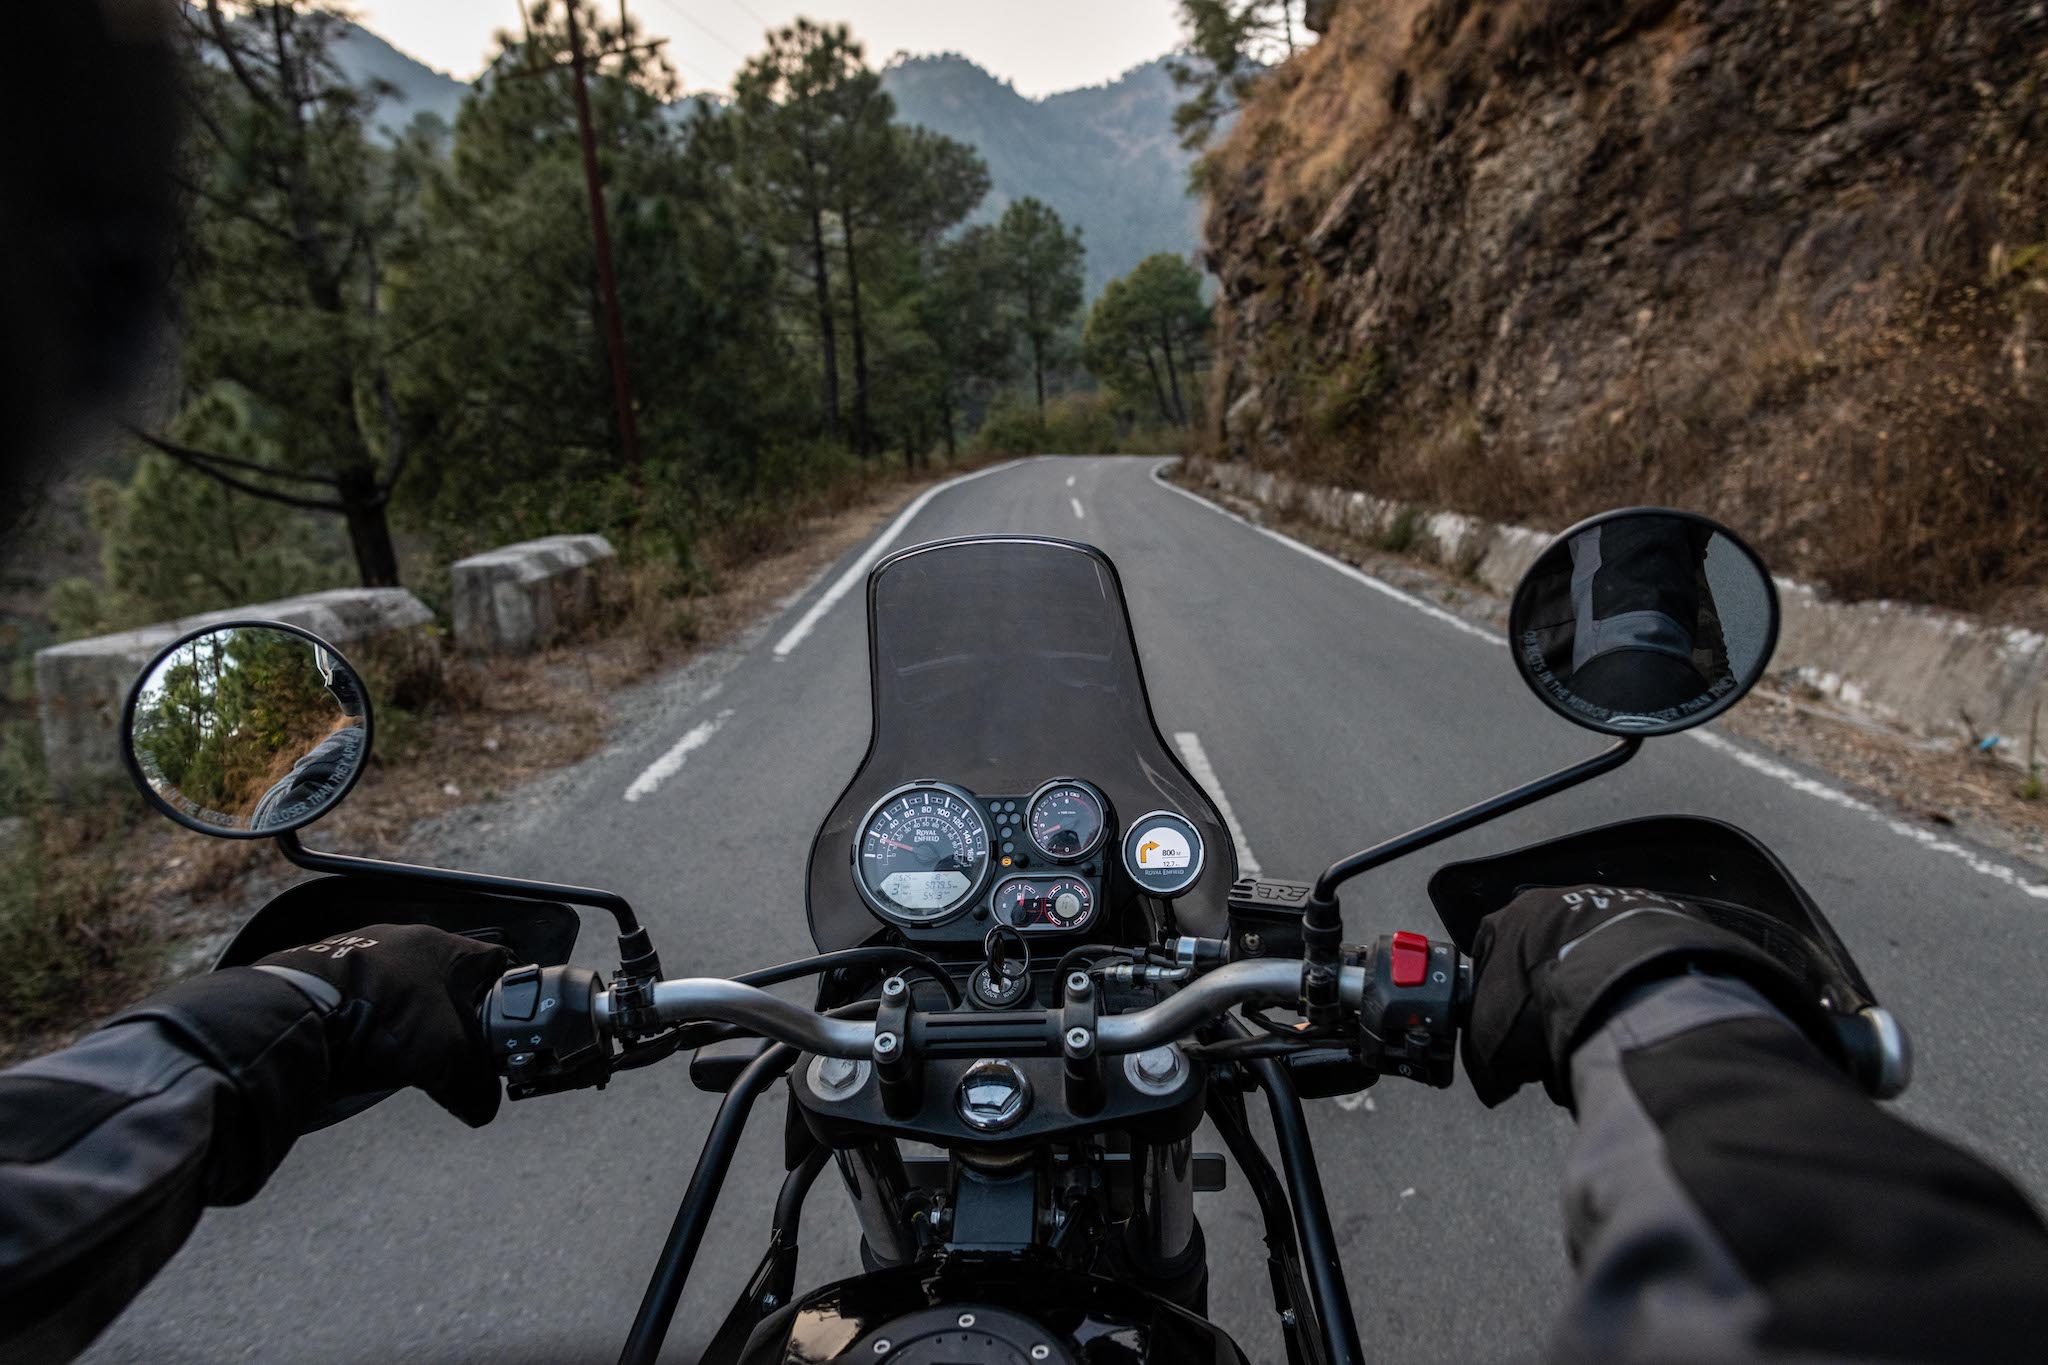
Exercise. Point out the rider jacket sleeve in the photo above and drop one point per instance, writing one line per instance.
(1732, 1197)
(110, 1148)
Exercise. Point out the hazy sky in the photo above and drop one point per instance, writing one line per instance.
(1039, 45)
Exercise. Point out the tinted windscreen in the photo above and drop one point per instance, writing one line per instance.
(997, 665)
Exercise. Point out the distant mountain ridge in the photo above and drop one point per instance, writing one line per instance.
(1103, 156)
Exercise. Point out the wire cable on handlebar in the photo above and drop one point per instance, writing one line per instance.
(853, 957)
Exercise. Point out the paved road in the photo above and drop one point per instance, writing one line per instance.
(1332, 714)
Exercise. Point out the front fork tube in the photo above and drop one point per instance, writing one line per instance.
(879, 1187)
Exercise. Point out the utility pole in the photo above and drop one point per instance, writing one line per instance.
(607, 281)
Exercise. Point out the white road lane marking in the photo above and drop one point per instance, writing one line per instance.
(1356, 575)
(1720, 744)
(1190, 745)
(1070, 480)
(671, 763)
(858, 570)
(1079, 515)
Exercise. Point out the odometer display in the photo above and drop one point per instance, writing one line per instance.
(922, 854)
(1068, 820)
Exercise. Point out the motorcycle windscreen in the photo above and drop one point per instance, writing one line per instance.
(996, 664)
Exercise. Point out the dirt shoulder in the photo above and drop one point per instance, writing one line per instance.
(1939, 786)
(104, 903)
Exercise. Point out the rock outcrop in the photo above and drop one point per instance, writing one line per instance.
(1785, 261)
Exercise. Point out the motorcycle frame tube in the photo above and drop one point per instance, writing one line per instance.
(1322, 1265)
(1163, 1193)
(1304, 1337)
(693, 1215)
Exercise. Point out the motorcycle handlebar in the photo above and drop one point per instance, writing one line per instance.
(714, 999)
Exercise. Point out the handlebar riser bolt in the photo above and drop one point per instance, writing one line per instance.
(885, 1044)
(1080, 1039)
(837, 1074)
(893, 988)
(1077, 983)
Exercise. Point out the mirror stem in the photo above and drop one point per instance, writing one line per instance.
(1322, 926)
(637, 957)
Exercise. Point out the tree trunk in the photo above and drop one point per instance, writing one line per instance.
(946, 417)
(828, 341)
(369, 531)
(1166, 342)
(863, 434)
(1158, 390)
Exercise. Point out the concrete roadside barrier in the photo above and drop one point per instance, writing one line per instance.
(1916, 669)
(81, 684)
(519, 598)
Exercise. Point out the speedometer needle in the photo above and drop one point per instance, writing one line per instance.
(893, 844)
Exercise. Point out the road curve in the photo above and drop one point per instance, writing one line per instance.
(1327, 712)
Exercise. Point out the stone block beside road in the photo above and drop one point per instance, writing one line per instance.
(82, 684)
(519, 598)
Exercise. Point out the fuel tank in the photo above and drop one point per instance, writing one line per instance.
(998, 1311)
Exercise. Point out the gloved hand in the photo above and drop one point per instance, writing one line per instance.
(404, 1012)
(1548, 968)
(376, 1010)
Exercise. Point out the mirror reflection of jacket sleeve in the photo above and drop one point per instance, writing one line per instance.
(1731, 1196)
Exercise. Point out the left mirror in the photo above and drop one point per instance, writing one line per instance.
(247, 730)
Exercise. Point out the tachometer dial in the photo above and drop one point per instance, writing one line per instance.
(1044, 903)
(1068, 820)
(922, 854)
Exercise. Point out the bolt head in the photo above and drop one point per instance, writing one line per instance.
(1252, 943)
(1159, 1065)
(885, 1044)
(1079, 1038)
(1041, 1352)
(893, 988)
(837, 1073)
(881, 1346)
(967, 1319)
(1077, 982)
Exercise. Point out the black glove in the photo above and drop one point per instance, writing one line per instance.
(1548, 967)
(404, 1012)
(376, 1010)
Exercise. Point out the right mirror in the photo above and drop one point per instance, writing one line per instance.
(1644, 622)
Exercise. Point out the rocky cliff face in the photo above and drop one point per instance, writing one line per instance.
(1785, 261)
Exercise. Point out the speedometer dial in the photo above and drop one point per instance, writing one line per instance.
(1068, 820)
(922, 854)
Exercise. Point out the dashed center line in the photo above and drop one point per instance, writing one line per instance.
(671, 763)
(1079, 515)
(1070, 480)
(1197, 758)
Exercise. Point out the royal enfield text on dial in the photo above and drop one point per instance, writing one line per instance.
(922, 854)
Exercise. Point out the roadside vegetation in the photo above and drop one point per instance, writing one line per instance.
(393, 345)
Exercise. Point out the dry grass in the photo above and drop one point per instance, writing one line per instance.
(106, 900)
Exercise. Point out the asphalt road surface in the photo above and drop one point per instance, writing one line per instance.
(1331, 713)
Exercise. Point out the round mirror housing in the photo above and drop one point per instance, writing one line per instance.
(246, 730)
(1644, 621)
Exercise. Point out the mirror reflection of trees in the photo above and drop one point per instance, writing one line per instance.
(225, 719)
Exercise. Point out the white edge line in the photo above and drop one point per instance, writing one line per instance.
(1720, 744)
(1079, 515)
(671, 763)
(1926, 838)
(1357, 575)
(859, 568)
(1190, 745)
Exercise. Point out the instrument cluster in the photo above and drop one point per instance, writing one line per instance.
(932, 855)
